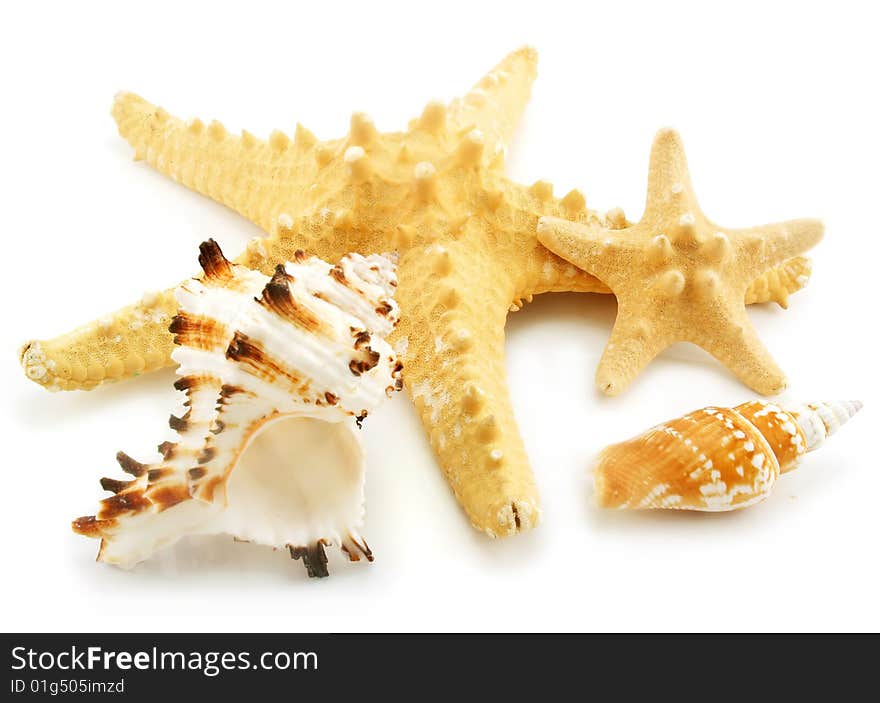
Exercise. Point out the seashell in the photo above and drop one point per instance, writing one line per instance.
(273, 371)
(714, 459)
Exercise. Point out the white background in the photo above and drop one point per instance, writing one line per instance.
(777, 104)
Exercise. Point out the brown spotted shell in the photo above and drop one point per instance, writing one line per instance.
(714, 459)
(303, 352)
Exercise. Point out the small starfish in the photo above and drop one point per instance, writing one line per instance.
(679, 277)
(435, 193)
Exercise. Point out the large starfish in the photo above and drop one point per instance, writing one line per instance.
(435, 193)
(680, 277)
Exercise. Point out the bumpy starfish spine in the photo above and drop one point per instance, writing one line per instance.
(458, 385)
(243, 172)
(495, 104)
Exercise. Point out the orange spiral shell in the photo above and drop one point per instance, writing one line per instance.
(713, 459)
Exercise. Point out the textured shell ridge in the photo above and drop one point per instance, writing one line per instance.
(272, 371)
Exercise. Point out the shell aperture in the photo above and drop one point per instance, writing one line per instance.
(274, 372)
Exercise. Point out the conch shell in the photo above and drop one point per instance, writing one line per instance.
(273, 370)
(714, 459)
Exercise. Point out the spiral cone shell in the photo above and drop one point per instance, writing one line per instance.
(714, 459)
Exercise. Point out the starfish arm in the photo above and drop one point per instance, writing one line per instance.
(775, 285)
(595, 251)
(669, 181)
(771, 245)
(738, 347)
(496, 103)
(253, 177)
(547, 273)
(452, 330)
(135, 339)
(592, 249)
(632, 346)
(125, 343)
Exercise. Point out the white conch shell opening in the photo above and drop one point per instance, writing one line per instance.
(275, 373)
(300, 481)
